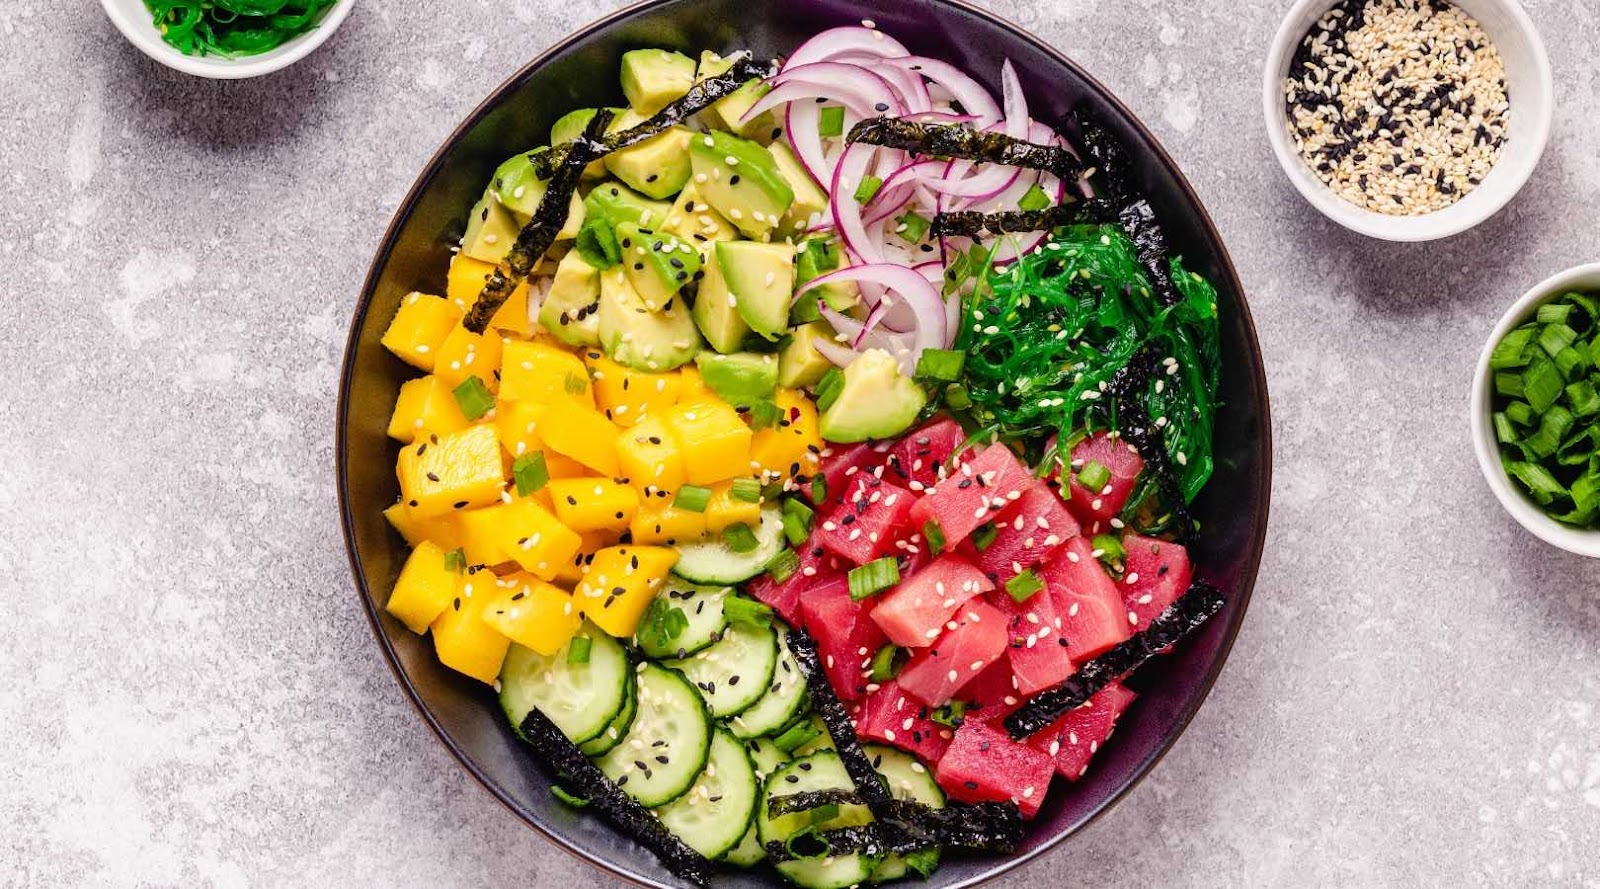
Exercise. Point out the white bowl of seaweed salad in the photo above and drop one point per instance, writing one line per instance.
(1408, 120)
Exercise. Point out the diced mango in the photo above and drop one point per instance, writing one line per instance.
(692, 388)
(792, 447)
(620, 584)
(582, 433)
(594, 504)
(517, 423)
(658, 521)
(535, 538)
(465, 284)
(460, 470)
(649, 457)
(626, 395)
(424, 589)
(724, 509)
(443, 530)
(466, 354)
(480, 535)
(714, 441)
(543, 374)
(420, 327)
(426, 405)
(573, 569)
(533, 614)
(463, 641)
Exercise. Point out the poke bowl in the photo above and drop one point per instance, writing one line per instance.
(638, 344)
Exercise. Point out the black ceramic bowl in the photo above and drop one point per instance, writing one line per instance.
(581, 71)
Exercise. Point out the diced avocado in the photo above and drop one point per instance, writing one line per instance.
(740, 379)
(639, 338)
(618, 204)
(741, 180)
(571, 310)
(817, 257)
(575, 217)
(491, 230)
(800, 365)
(877, 401)
(657, 264)
(761, 278)
(569, 127)
(656, 167)
(653, 77)
(516, 184)
(810, 201)
(692, 217)
(730, 109)
(717, 312)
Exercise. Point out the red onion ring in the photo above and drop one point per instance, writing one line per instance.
(835, 42)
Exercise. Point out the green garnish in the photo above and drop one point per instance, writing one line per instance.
(747, 612)
(530, 473)
(784, 564)
(950, 714)
(923, 861)
(1024, 586)
(796, 736)
(886, 663)
(956, 397)
(819, 488)
(829, 387)
(568, 797)
(692, 498)
(231, 28)
(578, 651)
(830, 122)
(873, 578)
(1094, 476)
(576, 384)
(1035, 199)
(662, 624)
(940, 365)
(912, 226)
(740, 538)
(474, 398)
(869, 186)
(455, 560)
(765, 415)
(1109, 548)
(746, 490)
(984, 536)
(934, 534)
(823, 813)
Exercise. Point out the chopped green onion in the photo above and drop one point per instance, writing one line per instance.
(1035, 199)
(868, 187)
(797, 508)
(1584, 399)
(886, 663)
(819, 488)
(1094, 476)
(1508, 384)
(829, 387)
(740, 538)
(1504, 432)
(692, 498)
(765, 414)
(794, 529)
(747, 612)
(830, 122)
(1554, 425)
(530, 473)
(1513, 350)
(957, 398)
(663, 622)
(873, 578)
(1024, 586)
(950, 714)
(746, 490)
(1109, 547)
(455, 560)
(1521, 413)
(923, 861)
(1541, 485)
(474, 398)
(984, 536)
(940, 365)
(1542, 383)
(912, 226)
(824, 813)
(1572, 362)
(784, 564)
(1555, 337)
(576, 384)
(568, 797)
(934, 534)
(578, 651)
(1554, 313)
(796, 736)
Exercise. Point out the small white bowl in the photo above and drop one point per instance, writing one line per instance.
(132, 18)
(1524, 510)
(1530, 91)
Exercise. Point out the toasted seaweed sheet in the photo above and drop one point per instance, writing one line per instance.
(1133, 211)
(964, 142)
(975, 224)
(865, 839)
(1136, 428)
(1194, 608)
(806, 800)
(617, 807)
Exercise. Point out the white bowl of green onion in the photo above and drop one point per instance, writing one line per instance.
(1536, 410)
(227, 39)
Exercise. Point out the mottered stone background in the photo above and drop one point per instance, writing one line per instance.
(191, 694)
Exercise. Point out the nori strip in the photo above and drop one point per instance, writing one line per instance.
(865, 839)
(540, 232)
(1134, 213)
(699, 97)
(966, 143)
(1198, 604)
(984, 827)
(616, 806)
(1133, 424)
(806, 800)
(973, 224)
(874, 792)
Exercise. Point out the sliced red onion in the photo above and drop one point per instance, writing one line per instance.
(863, 97)
(846, 212)
(835, 42)
(974, 99)
(922, 297)
(1015, 103)
(898, 188)
(802, 126)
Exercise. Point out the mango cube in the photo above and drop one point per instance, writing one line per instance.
(543, 374)
(533, 614)
(442, 530)
(649, 457)
(517, 423)
(573, 569)
(461, 638)
(582, 433)
(466, 354)
(533, 537)
(658, 521)
(793, 446)
(715, 441)
(465, 283)
(594, 504)
(457, 471)
(724, 509)
(626, 395)
(620, 584)
(480, 535)
(424, 589)
(420, 328)
(692, 387)
(426, 405)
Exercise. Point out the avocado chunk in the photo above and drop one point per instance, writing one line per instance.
(653, 77)
(716, 311)
(876, 401)
(817, 257)
(761, 278)
(657, 167)
(810, 201)
(641, 339)
(730, 109)
(491, 230)
(657, 264)
(617, 203)
(741, 379)
(571, 309)
(692, 217)
(800, 365)
(569, 127)
(741, 180)
(515, 183)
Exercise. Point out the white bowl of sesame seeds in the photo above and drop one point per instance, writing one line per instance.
(1408, 120)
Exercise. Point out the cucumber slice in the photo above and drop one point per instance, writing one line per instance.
(819, 771)
(822, 742)
(614, 733)
(713, 561)
(734, 673)
(908, 779)
(581, 699)
(749, 852)
(784, 699)
(765, 756)
(667, 745)
(715, 814)
(701, 606)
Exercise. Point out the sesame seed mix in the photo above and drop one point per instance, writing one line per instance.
(1399, 106)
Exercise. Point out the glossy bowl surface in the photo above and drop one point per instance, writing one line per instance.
(581, 71)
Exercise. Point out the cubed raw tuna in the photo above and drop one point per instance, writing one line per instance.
(984, 765)
(1027, 532)
(1092, 614)
(914, 613)
(974, 638)
(846, 637)
(1095, 508)
(917, 457)
(1037, 642)
(993, 695)
(1076, 737)
(974, 494)
(817, 566)
(1157, 574)
(891, 716)
(845, 462)
(866, 524)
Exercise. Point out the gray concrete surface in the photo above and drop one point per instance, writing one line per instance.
(191, 696)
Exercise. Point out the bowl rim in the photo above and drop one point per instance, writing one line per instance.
(1406, 229)
(139, 32)
(1526, 512)
(1249, 569)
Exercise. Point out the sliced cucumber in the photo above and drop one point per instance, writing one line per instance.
(734, 673)
(908, 779)
(714, 561)
(765, 756)
(614, 733)
(581, 699)
(667, 745)
(785, 697)
(715, 814)
(819, 771)
(701, 607)
(749, 852)
(822, 742)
